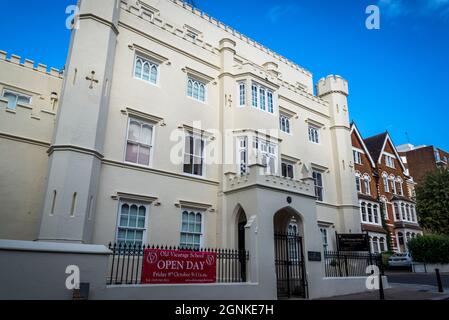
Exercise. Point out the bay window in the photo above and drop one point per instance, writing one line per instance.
(268, 153)
(287, 170)
(242, 93)
(262, 97)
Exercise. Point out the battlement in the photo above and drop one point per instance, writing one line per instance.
(269, 69)
(133, 5)
(332, 84)
(237, 34)
(30, 64)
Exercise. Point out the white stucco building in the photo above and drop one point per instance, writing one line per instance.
(172, 128)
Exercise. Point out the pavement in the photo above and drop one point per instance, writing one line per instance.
(399, 291)
(416, 278)
(405, 286)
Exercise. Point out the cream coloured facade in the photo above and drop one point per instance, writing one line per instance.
(141, 78)
(26, 132)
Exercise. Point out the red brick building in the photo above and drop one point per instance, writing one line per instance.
(387, 208)
(423, 159)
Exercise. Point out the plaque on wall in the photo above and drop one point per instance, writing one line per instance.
(314, 255)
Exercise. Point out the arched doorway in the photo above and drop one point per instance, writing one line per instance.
(289, 256)
(241, 221)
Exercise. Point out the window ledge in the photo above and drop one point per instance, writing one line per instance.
(25, 106)
(48, 112)
(142, 115)
(195, 205)
(136, 197)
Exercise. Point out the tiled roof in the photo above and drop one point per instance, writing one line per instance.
(375, 144)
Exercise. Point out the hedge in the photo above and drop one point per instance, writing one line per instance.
(430, 248)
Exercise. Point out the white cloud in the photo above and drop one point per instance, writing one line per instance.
(397, 8)
(277, 12)
(393, 8)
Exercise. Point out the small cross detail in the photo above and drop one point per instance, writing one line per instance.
(230, 100)
(92, 80)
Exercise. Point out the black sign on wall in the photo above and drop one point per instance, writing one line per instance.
(314, 255)
(353, 242)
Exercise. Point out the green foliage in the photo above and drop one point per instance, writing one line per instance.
(385, 256)
(432, 200)
(430, 248)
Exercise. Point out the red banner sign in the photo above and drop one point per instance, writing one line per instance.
(173, 266)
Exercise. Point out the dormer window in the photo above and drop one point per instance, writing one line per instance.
(389, 161)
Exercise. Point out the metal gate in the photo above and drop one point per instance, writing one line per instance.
(290, 267)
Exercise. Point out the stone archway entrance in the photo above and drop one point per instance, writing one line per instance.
(289, 254)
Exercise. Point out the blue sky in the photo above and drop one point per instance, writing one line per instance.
(398, 75)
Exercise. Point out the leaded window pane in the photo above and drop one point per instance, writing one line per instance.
(153, 77)
(146, 72)
(138, 70)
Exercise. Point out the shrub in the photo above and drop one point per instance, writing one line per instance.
(430, 248)
(385, 256)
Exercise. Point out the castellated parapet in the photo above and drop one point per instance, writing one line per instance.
(30, 64)
(332, 84)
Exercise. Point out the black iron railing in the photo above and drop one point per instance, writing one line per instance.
(351, 264)
(126, 263)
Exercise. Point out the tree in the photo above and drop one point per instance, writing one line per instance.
(432, 202)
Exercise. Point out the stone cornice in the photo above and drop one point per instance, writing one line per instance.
(100, 20)
(74, 148)
(40, 143)
(333, 91)
(303, 106)
(158, 172)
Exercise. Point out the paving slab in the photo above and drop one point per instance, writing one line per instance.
(399, 291)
